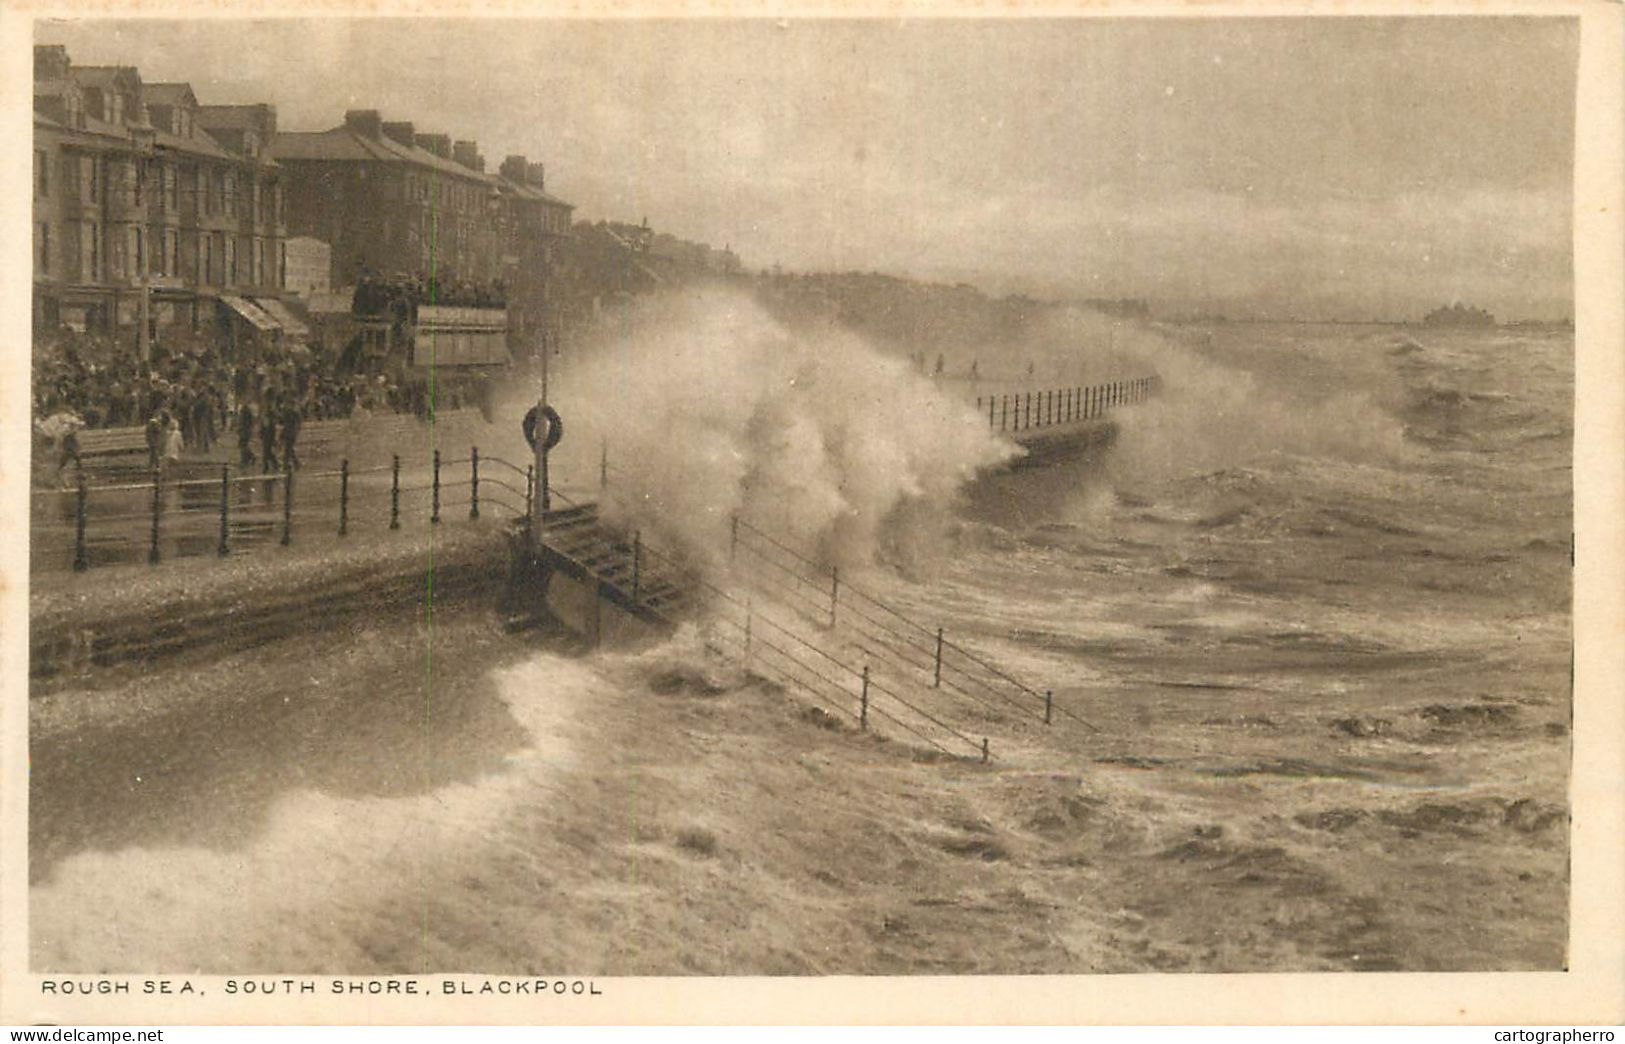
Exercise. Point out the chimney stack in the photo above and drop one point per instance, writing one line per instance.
(51, 62)
(401, 132)
(365, 122)
(466, 153)
(534, 173)
(514, 168)
(439, 144)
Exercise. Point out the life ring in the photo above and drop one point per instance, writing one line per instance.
(555, 427)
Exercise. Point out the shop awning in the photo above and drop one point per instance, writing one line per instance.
(284, 318)
(250, 312)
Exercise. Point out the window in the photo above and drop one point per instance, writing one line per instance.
(208, 260)
(42, 163)
(45, 248)
(163, 254)
(231, 194)
(174, 253)
(134, 173)
(172, 188)
(281, 265)
(231, 260)
(94, 256)
(140, 250)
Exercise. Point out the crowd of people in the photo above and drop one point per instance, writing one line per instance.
(188, 396)
(377, 294)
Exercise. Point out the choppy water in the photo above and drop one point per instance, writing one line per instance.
(1316, 601)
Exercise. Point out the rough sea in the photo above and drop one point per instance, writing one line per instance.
(1313, 605)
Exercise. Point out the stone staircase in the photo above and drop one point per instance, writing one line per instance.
(575, 542)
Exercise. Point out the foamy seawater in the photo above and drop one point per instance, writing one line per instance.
(1315, 603)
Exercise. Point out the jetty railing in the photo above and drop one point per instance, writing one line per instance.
(1027, 411)
(771, 643)
(807, 626)
(913, 649)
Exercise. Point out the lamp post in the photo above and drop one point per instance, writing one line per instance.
(143, 144)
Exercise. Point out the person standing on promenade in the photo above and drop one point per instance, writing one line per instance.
(268, 432)
(157, 429)
(292, 418)
(174, 443)
(202, 415)
(245, 434)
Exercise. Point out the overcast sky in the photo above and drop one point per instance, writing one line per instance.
(1354, 166)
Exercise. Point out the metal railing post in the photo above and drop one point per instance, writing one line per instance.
(984, 750)
(287, 504)
(733, 539)
(834, 592)
(474, 482)
(1004, 412)
(1049, 696)
(749, 615)
(434, 503)
(936, 681)
(81, 558)
(543, 484)
(637, 559)
(603, 463)
(157, 507)
(225, 511)
(530, 498)
(395, 493)
(863, 702)
(990, 413)
(344, 496)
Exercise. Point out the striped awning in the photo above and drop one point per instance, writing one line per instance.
(284, 318)
(250, 312)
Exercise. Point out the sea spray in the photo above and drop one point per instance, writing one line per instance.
(708, 407)
(1212, 410)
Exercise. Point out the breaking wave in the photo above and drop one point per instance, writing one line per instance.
(708, 407)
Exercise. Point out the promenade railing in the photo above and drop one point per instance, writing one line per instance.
(206, 509)
(1027, 411)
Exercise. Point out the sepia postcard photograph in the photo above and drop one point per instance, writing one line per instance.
(545, 517)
